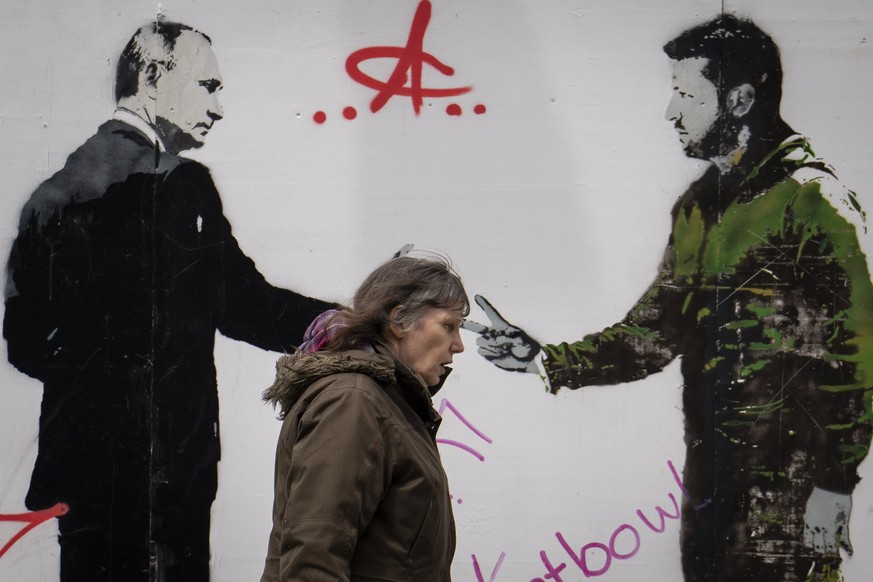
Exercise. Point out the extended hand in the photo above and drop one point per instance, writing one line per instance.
(826, 522)
(504, 345)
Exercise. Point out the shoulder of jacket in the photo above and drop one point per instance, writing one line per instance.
(349, 380)
(834, 192)
(184, 168)
(352, 391)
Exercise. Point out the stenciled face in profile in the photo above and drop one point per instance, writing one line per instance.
(428, 347)
(694, 107)
(187, 94)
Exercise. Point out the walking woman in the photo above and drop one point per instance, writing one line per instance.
(360, 491)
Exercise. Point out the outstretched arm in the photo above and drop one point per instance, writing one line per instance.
(249, 308)
(641, 344)
(259, 313)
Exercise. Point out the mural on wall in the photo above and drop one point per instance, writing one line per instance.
(123, 269)
(765, 296)
(355, 127)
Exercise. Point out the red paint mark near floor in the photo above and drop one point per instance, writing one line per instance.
(31, 519)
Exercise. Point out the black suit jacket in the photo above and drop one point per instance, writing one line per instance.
(123, 270)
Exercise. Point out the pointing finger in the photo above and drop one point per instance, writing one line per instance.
(474, 326)
(493, 315)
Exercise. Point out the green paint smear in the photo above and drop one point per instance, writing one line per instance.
(790, 211)
(742, 324)
(752, 368)
(771, 518)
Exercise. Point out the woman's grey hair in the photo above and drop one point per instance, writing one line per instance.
(398, 292)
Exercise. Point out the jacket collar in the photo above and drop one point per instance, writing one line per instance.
(296, 372)
(141, 125)
(412, 387)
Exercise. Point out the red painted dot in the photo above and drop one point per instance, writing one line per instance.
(454, 109)
(319, 117)
(350, 112)
(479, 109)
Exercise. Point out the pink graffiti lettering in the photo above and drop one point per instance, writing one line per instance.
(409, 58)
(445, 404)
(696, 506)
(552, 572)
(662, 514)
(636, 548)
(31, 519)
(581, 559)
(595, 558)
(478, 571)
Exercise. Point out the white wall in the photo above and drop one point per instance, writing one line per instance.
(554, 204)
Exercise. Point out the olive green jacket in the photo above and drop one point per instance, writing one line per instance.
(360, 491)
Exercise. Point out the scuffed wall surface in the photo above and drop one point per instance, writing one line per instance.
(553, 199)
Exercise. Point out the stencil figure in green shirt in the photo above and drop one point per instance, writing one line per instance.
(765, 296)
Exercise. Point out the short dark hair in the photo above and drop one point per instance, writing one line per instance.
(414, 284)
(738, 52)
(138, 53)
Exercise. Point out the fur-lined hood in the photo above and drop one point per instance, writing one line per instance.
(296, 372)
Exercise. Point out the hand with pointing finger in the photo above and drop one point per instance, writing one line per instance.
(504, 345)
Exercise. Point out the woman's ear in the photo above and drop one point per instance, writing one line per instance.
(394, 328)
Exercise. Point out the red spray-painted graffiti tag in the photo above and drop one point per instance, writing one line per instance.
(31, 519)
(410, 59)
